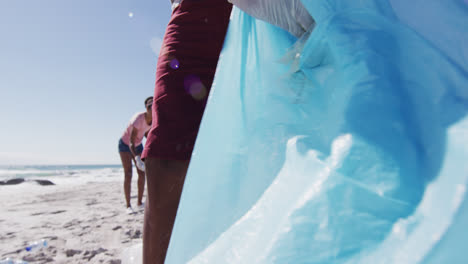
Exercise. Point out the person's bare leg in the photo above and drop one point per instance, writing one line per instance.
(141, 186)
(126, 158)
(165, 180)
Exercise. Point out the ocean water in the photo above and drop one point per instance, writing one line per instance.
(63, 174)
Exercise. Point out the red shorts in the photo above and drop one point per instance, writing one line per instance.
(186, 67)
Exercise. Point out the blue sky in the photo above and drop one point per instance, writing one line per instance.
(72, 73)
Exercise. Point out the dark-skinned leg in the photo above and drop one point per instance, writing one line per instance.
(165, 180)
(141, 186)
(126, 159)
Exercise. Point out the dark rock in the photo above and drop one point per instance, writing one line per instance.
(44, 182)
(21, 180)
(12, 181)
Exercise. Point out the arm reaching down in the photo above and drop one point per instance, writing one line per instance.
(132, 146)
(290, 15)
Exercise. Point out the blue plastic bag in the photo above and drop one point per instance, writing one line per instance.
(347, 146)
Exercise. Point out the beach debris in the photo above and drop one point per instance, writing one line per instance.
(37, 245)
(12, 261)
(139, 163)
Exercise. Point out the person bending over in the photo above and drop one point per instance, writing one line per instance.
(130, 148)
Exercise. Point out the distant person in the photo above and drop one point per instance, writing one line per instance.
(185, 71)
(131, 147)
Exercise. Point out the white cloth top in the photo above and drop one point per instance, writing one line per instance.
(175, 3)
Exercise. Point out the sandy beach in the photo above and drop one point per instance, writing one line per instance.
(82, 223)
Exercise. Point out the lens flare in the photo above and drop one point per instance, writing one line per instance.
(195, 87)
(174, 64)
